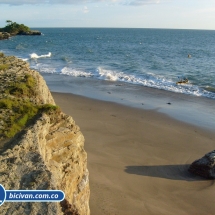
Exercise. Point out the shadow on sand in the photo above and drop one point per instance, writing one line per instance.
(173, 172)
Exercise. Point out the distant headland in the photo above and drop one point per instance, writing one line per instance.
(13, 28)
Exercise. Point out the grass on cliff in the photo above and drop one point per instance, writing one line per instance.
(4, 66)
(21, 113)
(18, 106)
(23, 87)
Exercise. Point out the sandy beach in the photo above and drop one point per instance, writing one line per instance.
(138, 159)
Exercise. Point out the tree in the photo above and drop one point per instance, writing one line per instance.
(15, 28)
(9, 22)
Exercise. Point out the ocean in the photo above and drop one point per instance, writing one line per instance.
(103, 59)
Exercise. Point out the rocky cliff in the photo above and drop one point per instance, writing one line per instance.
(46, 151)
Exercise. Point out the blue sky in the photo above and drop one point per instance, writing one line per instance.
(180, 14)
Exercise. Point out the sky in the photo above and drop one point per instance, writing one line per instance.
(173, 14)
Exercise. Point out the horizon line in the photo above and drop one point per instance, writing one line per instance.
(135, 28)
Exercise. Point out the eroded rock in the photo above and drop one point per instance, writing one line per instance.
(4, 35)
(47, 154)
(204, 166)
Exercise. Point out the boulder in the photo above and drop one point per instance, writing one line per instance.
(204, 166)
(4, 35)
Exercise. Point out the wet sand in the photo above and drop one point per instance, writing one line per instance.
(138, 159)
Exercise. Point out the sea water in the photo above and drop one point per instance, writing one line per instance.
(155, 58)
(101, 57)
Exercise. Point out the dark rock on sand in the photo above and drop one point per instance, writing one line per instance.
(204, 166)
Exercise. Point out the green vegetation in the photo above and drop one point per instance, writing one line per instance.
(14, 28)
(4, 66)
(18, 107)
(1, 54)
(6, 103)
(24, 87)
(48, 107)
(22, 113)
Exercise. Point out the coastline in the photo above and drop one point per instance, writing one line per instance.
(197, 111)
(138, 158)
(140, 142)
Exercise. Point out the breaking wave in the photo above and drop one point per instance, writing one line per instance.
(148, 80)
(35, 56)
(75, 72)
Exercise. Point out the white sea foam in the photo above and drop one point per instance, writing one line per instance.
(108, 74)
(44, 68)
(35, 56)
(154, 81)
(75, 72)
(148, 80)
(47, 70)
(24, 59)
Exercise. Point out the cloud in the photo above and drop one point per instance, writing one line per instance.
(206, 10)
(86, 10)
(124, 2)
(21, 2)
(143, 2)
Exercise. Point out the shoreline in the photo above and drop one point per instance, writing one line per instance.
(138, 159)
(198, 111)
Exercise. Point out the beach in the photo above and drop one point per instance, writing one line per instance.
(122, 81)
(138, 159)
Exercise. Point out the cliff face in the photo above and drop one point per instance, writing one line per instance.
(48, 153)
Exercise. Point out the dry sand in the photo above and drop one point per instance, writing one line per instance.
(138, 159)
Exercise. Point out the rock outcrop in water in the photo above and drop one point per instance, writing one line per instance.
(30, 33)
(4, 35)
(48, 151)
(14, 28)
(204, 166)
